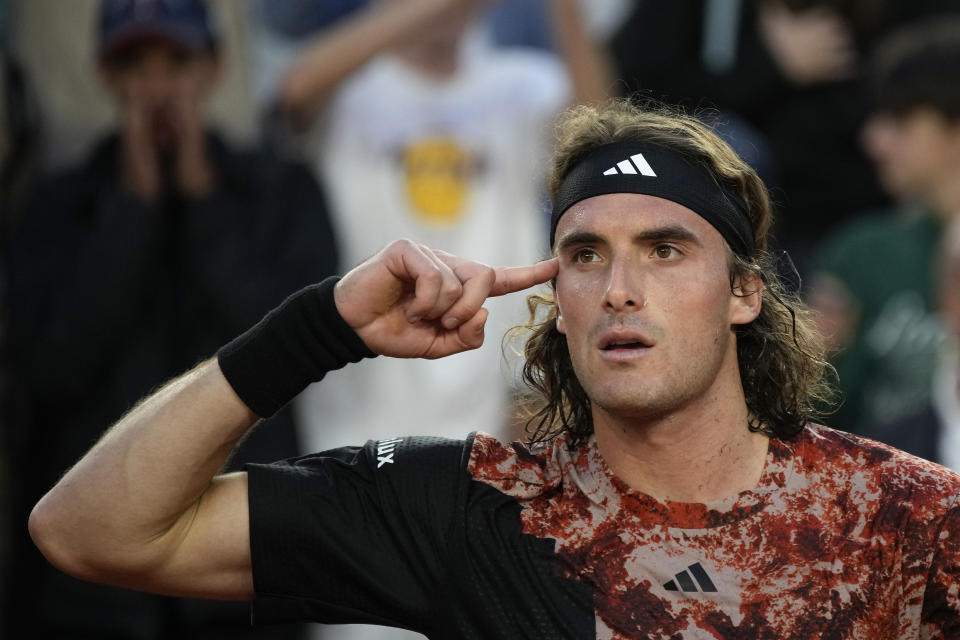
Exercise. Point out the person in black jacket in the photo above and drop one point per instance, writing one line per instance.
(126, 269)
(784, 75)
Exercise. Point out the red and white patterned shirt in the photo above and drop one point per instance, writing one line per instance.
(477, 539)
(843, 537)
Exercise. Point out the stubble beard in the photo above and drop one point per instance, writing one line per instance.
(659, 397)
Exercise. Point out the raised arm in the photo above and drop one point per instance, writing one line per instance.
(588, 62)
(342, 49)
(144, 508)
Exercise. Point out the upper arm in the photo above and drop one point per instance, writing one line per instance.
(209, 553)
(358, 534)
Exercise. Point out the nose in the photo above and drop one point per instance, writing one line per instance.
(158, 79)
(624, 289)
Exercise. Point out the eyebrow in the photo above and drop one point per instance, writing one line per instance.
(673, 233)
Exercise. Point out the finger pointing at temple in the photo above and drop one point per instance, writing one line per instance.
(512, 279)
(481, 282)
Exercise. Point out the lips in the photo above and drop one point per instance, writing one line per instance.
(624, 339)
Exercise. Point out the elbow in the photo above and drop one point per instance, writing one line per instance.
(88, 548)
(68, 544)
(49, 534)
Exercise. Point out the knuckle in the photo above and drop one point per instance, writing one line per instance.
(432, 276)
(401, 244)
(452, 288)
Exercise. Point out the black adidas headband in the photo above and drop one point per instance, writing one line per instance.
(638, 167)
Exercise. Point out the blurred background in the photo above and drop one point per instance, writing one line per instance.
(170, 170)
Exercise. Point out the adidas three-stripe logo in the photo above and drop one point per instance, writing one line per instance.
(685, 579)
(632, 165)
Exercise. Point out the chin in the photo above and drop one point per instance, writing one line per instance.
(635, 405)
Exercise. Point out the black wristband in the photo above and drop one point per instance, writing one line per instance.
(295, 344)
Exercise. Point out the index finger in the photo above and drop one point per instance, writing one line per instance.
(511, 279)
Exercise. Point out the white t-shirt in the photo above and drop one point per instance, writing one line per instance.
(457, 165)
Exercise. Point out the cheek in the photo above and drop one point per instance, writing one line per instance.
(572, 295)
(702, 310)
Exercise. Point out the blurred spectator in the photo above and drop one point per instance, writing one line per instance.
(283, 30)
(874, 280)
(430, 133)
(934, 431)
(526, 23)
(19, 135)
(789, 70)
(425, 130)
(52, 41)
(160, 247)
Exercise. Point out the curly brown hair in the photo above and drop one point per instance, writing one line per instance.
(780, 354)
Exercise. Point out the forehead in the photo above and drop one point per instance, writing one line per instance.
(624, 215)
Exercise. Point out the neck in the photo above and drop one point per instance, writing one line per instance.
(698, 453)
(439, 60)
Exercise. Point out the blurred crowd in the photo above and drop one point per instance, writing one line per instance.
(171, 169)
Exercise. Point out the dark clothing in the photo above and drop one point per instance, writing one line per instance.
(479, 539)
(918, 433)
(820, 174)
(107, 297)
(887, 263)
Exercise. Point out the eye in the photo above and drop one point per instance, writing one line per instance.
(585, 255)
(666, 251)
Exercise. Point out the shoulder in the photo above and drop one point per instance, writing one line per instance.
(514, 468)
(875, 232)
(396, 455)
(861, 465)
(419, 475)
(73, 184)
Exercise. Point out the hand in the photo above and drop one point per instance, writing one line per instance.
(140, 160)
(810, 46)
(409, 301)
(194, 173)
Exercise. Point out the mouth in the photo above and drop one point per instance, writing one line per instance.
(621, 345)
(624, 346)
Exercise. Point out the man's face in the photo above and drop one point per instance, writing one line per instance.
(162, 83)
(644, 299)
(913, 152)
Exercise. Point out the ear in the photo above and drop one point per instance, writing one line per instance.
(560, 323)
(746, 299)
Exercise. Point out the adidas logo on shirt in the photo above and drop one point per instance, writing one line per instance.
(632, 165)
(689, 580)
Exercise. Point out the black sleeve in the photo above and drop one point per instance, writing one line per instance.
(357, 535)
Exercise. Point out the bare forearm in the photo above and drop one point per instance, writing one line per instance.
(128, 503)
(145, 509)
(587, 62)
(348, 46)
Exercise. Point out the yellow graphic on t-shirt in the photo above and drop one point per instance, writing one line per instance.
(437, 174)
